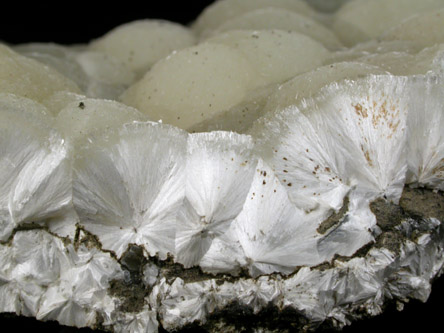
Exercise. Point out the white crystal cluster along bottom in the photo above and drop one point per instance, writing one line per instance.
(291, 179)
(335, 207)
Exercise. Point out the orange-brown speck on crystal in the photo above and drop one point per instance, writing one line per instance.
(360, 110)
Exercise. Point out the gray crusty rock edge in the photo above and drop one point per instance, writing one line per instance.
(407, 256)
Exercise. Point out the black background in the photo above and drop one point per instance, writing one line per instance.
(71, 22)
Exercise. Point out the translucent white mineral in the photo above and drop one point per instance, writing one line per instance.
(430, 59)
(97, 74)
(220, 11)
(193, 84)
(307, 84)
(362, 20)
(422, 29)
(277, 55)
(275, 18)
(128, 186)
(140, 44)
(85, 117)
(35, 179)
(220, 169)
(353, 135)
(14, 67)
(151, 184)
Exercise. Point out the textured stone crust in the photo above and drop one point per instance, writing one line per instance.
(284, 200)
(333, 293)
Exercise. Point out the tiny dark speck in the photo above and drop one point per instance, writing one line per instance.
(82, 105)
(263, 183)
(289, 184)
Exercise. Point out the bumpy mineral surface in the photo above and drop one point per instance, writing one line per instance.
(271, 167)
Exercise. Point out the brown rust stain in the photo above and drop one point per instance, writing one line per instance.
(360, 110)
(367, 155)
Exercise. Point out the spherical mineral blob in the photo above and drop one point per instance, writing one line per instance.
(362, 20)
(223, 10)
(276, 54)
(276, 18)
(194, 84)
(423, 29)
(140, 44)
(107, 76)
(60, 57)
(97, 74)
(240, 117)
(59, 100)
(87, 116)
(26, 77)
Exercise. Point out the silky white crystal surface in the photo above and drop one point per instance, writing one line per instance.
(161, 175)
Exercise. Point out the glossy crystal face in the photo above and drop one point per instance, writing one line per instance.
(265, 155)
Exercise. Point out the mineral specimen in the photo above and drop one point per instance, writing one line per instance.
(165, 177)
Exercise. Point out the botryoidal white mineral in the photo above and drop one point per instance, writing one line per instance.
(254, 169)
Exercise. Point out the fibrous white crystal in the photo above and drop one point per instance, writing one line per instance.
(426, 138)
(145, 321)
(220, 169)
(33, 262)
(305, 85)
(185, 303)
(346, 137)
(326, 208)
(80, 290)
(128, 185)
(275, 235)
(34, 182)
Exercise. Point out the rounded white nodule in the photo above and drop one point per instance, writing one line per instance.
(276, 18)
(362, 20)
(194, 84)
(224, 10)
(23, 76)
(139, 44)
